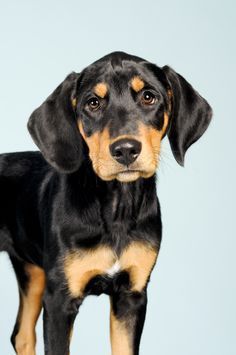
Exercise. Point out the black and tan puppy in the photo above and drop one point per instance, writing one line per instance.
(82, 217)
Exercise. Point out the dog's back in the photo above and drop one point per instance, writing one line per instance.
(21, 174)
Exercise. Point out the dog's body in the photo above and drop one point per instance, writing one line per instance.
(87, 220)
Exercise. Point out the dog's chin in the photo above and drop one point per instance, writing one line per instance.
(127, 176)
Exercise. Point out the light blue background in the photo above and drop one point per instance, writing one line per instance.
(192, 294)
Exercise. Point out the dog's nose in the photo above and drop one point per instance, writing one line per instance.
(125, 151)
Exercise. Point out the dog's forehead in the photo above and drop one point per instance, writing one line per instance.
(109, 73)
(106, 74)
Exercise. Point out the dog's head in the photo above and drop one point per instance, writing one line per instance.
(117, 110)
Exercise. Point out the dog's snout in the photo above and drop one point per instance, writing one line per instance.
(125, 151)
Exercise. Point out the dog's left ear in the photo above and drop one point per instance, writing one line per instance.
(190, 114)
(53, 127)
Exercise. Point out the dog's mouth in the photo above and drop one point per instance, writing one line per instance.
(128, 175)
(110, 170)
(129, 171)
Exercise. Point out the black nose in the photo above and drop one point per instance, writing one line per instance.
(125, 151)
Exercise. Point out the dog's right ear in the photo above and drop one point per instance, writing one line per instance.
(53, 127)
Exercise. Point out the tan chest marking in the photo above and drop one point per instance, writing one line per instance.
(138, 259)
(80, 267)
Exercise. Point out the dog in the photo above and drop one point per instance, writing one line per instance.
(81, 216)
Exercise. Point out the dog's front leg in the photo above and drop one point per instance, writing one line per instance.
(128, 310)
(58, 318)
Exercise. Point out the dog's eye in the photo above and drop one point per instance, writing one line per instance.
(93, 104)
(148, 98)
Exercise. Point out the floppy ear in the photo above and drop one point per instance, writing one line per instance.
(53, 128)
(190, 115)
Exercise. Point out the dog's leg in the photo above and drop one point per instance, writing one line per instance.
(128, 306)
(31, 280)
(59, 315)
(128, 310)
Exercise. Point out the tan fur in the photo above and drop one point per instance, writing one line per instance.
(137, 84)
(170, 96)
(169, 93)
(99, 153)
(151, 147)
(138, 259)
(74, 103)
(81, 266)
(108, 169)
(101, 90)
(30, 307)
(120, 337)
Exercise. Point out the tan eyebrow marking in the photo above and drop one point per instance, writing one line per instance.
(101, 90)
(137, 84)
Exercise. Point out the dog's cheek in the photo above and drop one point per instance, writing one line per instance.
(98, 144)
(156, 136)
(146, 161)
(101, 152)
(92, 143)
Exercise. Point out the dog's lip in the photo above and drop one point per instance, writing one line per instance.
(127, 171)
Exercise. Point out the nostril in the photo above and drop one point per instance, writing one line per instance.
(118, 153)
(133, 152)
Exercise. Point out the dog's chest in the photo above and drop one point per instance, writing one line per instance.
(100, 270)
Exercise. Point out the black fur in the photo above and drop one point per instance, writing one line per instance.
(53, 202)
(53, 128)
(191, 115)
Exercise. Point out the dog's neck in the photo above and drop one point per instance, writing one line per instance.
(125, 190)
(112, 208)
(130, 196)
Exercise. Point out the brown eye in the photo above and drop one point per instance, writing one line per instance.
(148, 98)
(93, 104)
